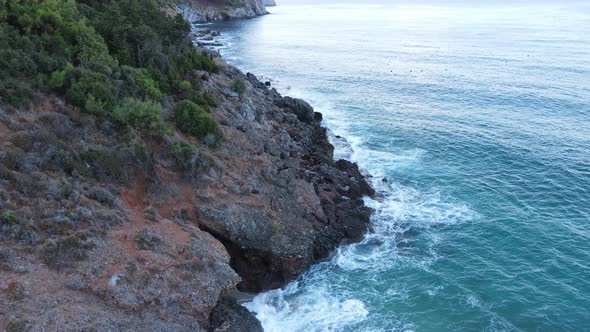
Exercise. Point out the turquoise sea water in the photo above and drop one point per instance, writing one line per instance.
(478, 116)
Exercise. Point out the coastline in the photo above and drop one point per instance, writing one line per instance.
(199, 11)
(152, 222)
(338, 184)
(132, 232)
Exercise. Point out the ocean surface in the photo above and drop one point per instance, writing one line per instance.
(473, 120)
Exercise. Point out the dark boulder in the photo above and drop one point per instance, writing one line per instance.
(299, 107)
(229, 316)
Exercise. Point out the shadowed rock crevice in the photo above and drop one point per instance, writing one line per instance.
(229, 316)
(257, 269)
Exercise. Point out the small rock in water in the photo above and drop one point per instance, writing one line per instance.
(267, 83)
(209, 44)
(384, 180)
(204, 32)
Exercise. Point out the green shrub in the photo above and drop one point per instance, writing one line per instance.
(68, 162)
(101, 164)
(184, 86)
(204, 61)
(149, 86)
(204, 100)
(239, 86)
(141, 115)
(183, 151)
(193, 120)
(95, 106)
(84, 84)
(8, 217)
(15, 91)
(57, 80)
(91, 47)
(43, 16)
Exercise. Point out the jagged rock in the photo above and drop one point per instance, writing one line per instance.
(229, 316)
(299, 107)
(200, 11)
(231, 94)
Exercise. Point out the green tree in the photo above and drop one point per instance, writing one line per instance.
(91, 48)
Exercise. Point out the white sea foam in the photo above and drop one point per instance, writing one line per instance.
(315, 303)
(316, 307)
(313, 307)
(471, 301)
(431, 135)
(401, 210)
(296, 308)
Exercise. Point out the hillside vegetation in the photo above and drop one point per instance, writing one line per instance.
(113, 59)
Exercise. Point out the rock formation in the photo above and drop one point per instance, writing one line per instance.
(199, 11)
(108, 233)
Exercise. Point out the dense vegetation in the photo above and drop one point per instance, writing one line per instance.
(117, 59)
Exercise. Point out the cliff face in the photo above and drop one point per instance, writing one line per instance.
(109, 233)
(215, 10)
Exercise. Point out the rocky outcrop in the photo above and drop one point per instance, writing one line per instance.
(300, 203)
(269, 3)
(130, 234)
(200, 11)
(229, 316)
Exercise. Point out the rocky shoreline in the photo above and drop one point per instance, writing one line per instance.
(316, 203)
(157, 233)
(202, 11)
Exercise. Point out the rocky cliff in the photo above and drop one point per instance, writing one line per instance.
(215, 10)
(100, 231)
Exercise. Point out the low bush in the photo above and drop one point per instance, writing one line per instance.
(57, 79)
(193, 120)
(150, 88)
(184, 86)
(183, 152)
(239, 86)
(8, 217)
(204, 61)
(205, 100)
(90, 90)
(101, 164)
(15, 92)
(140, 115)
